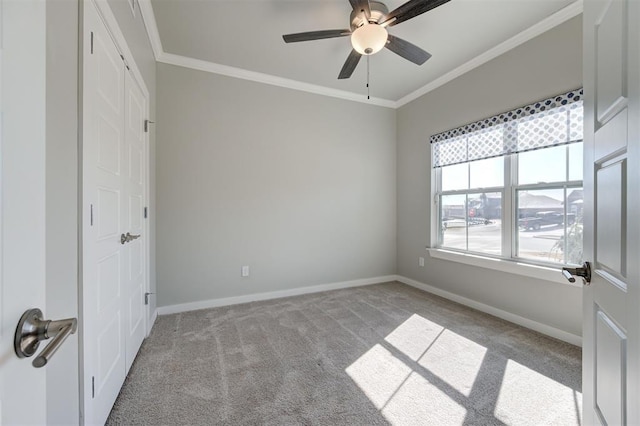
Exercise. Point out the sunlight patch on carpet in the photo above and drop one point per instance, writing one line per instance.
(527, 396)
(419, 402)
(379, 374)
(414, 336)
(456, 360)
(401, 393)
(453, 358)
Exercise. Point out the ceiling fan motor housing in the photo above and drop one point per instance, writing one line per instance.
(378, 12)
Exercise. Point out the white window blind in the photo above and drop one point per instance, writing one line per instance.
(550, 122)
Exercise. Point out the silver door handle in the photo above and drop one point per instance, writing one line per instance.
(126, 238)
(132, 237)
(32, 329)
(584, 272)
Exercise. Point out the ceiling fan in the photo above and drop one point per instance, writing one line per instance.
(369, 22)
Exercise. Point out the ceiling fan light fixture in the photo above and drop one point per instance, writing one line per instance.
(369, 39)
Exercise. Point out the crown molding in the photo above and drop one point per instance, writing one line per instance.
(148, 16)
(149, 19)
(197, 64)
(563, 15)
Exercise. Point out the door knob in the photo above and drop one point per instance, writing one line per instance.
(32, 329)
(584, 272)
(126, 238)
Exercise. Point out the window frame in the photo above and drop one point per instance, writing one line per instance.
(509, 210)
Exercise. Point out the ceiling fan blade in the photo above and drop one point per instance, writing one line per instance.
(315, 35)
(409, 51)
(361, 5)
(349, 65)
(411, 9)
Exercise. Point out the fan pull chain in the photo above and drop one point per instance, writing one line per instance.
(368, 56)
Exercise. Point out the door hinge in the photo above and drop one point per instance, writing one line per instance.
(145, 212)
(93, 387)
(91, 214)
(146, 298)
(146, 125)
(92, 42)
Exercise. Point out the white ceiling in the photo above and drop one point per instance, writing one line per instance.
(247, 35)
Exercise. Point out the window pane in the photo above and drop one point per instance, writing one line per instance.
(573, 248)
(453, 221)
(543, 165)
(455, 177)
(485, 224)
(575, 161)
(541, 224)
(487, 173)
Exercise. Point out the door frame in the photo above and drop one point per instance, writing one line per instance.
(23, 193)
(109, 20)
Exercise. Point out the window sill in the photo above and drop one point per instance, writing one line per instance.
(503, 265)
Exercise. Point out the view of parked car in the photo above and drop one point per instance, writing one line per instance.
(550, 218)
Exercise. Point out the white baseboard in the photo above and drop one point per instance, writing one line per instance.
(154, 317)
(152, 321)
(215, 303)
(516, 319)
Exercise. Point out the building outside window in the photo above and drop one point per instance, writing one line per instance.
(510, 186)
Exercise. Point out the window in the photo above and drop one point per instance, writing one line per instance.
(510, 186)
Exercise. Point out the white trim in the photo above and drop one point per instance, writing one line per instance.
(508, 316)
(110, 21)
(215, 303)
(149, 19)
(146, 220)
(516, 319)
(148, 16)
(563, 15)
(503, 265)
(197, 64)
(152, 322)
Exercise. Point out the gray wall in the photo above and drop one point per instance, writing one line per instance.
(300, 187)
(542, 67)
(136, 35)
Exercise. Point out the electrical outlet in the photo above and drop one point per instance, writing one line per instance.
(421, 261)
(245, 271)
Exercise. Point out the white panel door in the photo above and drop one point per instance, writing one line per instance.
(114, 247)
(22, 206)
(134, 284)
(105, 263)
(611, 330)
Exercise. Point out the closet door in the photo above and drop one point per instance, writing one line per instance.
(105, 260)
(114, 245)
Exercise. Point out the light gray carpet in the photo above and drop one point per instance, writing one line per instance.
(375, 355)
